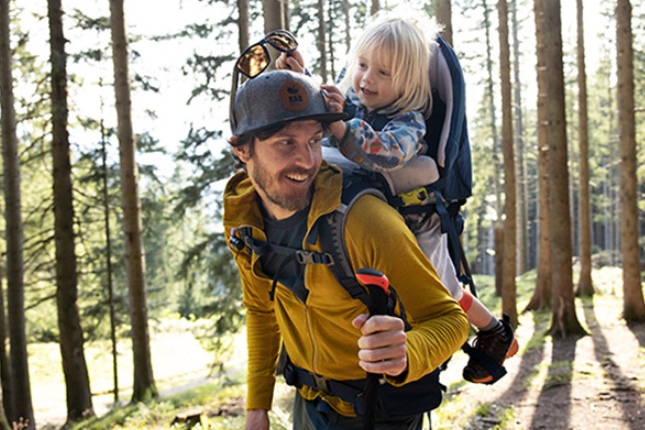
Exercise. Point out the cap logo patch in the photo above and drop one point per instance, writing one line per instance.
(293, 96)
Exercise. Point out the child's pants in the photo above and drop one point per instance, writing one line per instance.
(434, 245)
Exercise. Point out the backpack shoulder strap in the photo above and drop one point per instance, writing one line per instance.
(331, 231)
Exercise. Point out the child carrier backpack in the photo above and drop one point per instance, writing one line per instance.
(439, 182)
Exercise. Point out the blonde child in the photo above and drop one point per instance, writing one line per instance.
(387, 82)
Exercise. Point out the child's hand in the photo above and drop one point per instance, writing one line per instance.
(335, 103)
(292, 61)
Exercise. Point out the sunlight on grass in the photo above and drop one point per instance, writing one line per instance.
(560, 373)
(177, 357)
(453, 413)
(608, 280)
(540, 321)
(457, 413)
(222, 401)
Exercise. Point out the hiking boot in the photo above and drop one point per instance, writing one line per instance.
(495, 347)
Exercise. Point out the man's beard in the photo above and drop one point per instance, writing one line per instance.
(288, 202)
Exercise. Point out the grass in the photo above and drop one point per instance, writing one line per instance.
(219, 402)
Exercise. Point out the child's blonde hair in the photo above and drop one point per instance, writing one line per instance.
(403, 46)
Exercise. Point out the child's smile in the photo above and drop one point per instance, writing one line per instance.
(373, 81)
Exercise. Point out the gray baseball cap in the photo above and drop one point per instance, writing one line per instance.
(278, 97)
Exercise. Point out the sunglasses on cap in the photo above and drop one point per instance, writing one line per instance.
(256, 58)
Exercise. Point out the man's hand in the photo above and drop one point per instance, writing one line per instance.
(383, 346)
(257, 419)
(293, 61)
(335, 103)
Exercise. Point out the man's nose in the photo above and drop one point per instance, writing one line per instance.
(306, 155)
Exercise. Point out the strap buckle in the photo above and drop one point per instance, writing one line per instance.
(310, 257)
(418, 196)
(322, 383)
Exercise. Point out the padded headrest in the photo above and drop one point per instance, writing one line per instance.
(441, 80)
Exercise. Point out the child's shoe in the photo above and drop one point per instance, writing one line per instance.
(496, 344)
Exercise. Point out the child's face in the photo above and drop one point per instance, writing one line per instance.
(373, 81)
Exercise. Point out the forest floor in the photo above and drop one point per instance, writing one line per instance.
(596, 381)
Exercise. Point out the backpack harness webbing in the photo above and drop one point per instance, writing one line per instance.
(416, 397)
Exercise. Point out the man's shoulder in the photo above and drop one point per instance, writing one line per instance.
(369, 211)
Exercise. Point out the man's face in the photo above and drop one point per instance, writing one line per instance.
(282, 168)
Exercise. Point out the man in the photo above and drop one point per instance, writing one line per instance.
(284, 188)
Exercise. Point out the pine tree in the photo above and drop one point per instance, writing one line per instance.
(585, 285)
(509, 300)
(21, 412)
(564, 320)
(77, 382)
(633, 304)
(144, 384)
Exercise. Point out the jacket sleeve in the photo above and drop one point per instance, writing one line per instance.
(377, 237)
(262, 334)
(389, 149)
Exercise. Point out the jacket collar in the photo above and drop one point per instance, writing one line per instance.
(241, 202)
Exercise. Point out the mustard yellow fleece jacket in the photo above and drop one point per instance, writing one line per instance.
(318, 334)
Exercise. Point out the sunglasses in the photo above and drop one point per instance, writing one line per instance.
(256, 58)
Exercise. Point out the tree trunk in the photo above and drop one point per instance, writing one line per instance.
(348, 28)
(509, 291)
(330, 40)
(496, 151)
(77, 381)
(5, 374)
(542, 295)
(273, 20)
(243, 24)
(498, 241)
(273, 15)
(633, 304)
(522, 191)
(585, 285)
(443, 12)
(108, 265)
(286, 15)
(4, 425)
(375, 7)
(22, 410)
(320, 41)
(564, 320)
(144, 385)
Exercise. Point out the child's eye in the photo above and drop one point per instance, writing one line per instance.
(384, 72)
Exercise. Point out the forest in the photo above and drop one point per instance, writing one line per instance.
(117, 287)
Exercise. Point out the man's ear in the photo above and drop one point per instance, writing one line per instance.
(242, 153)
